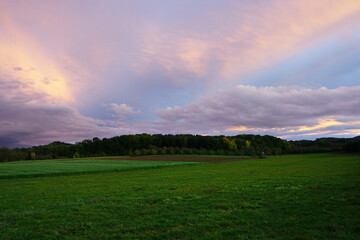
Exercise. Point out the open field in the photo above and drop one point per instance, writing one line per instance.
(315, 196)
(180, 158)
(70, 167)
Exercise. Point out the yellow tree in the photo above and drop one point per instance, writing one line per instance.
(230, 143)
(247, 144)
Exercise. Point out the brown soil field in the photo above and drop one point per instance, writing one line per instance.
(180, 159)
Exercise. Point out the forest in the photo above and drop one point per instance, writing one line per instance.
(181, 144)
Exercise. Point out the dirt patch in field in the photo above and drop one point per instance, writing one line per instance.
(180, 159)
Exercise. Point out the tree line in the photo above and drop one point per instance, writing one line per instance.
(158, 144)
(331, 144)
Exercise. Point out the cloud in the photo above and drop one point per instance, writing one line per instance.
(17, 69)
(27, 118)
(24, 122)
(23, 51)
(41, 65)
(33, 124)
(161, 52)
(288, 112)
(282, 109)
(240, 39)
(122, 111)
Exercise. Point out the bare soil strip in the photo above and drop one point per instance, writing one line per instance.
(180, 159)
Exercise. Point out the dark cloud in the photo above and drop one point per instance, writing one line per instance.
(10, 142)
(33, 124)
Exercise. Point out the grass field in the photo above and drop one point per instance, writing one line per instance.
(72, 167)
(315, 196)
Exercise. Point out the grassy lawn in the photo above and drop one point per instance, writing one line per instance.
(315, 196)
(187, 155)
(71, 167)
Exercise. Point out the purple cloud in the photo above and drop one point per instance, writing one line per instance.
(31, 124)
(264, 107)
(282, 111)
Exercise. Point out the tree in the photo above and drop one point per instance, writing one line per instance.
(352, 147)
(247, 144)
(230, 144)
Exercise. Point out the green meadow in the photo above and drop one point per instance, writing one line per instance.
(70, 167)
(314, 196)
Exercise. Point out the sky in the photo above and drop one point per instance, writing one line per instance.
(74, 70)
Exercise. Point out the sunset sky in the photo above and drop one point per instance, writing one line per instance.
(71, 70)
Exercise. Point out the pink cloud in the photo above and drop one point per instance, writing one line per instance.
(245, 42)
